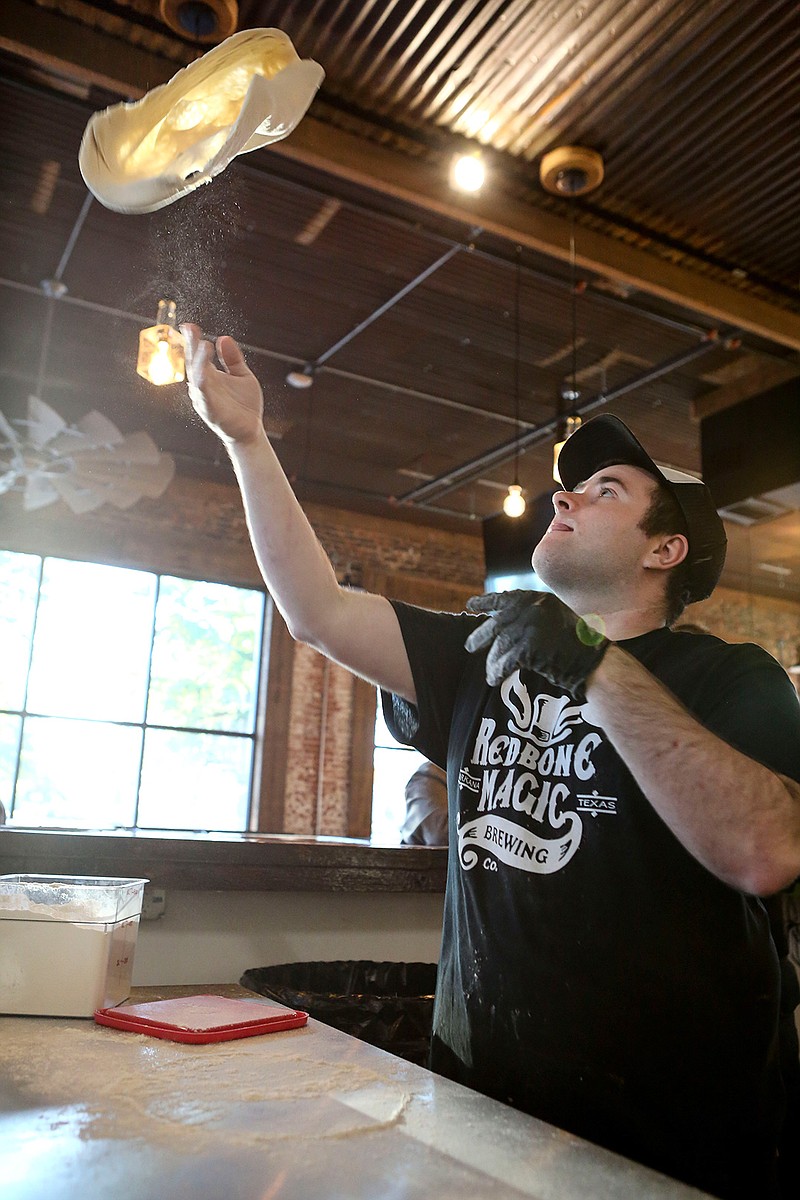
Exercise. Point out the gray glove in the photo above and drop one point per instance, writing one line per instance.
(535, 630)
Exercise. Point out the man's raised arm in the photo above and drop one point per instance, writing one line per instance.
(356, 629)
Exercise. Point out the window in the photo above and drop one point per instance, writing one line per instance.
(127, 698)
(393, 765)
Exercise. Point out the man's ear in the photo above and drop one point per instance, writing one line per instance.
(669, 550)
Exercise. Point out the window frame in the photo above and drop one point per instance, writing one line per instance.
(256, 737)
(174, 540)
(421, 590)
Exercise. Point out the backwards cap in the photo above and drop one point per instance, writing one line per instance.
(604, 441)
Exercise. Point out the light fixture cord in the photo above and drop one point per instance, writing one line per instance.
(573, 289)
(517, 281)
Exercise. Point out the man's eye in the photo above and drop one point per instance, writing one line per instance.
(607, 491)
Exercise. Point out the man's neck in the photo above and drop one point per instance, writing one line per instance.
(619, 623)
(618, 626)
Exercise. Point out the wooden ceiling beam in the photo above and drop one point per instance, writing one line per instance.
(80, 52)
(762, 375)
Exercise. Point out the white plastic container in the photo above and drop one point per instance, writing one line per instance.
(66, 943)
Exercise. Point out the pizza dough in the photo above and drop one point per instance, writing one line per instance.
(249, 91)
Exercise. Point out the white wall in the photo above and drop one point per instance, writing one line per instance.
(213, 937)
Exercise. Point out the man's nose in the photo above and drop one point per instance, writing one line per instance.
(563, 501)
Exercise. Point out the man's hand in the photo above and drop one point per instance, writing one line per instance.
(535, 630)
(228, 400)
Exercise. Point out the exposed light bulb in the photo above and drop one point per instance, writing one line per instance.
(161, 358)
(514, 503)
(468, 173)
(161, 370)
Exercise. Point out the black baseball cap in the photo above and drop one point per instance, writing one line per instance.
(604, 441)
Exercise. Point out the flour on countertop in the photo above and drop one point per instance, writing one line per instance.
(131, 1086)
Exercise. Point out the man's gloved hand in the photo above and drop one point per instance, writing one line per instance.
(535, 630)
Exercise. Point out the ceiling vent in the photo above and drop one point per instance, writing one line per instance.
(753, 511)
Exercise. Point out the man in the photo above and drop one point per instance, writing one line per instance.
(426, 807)
(619, 798)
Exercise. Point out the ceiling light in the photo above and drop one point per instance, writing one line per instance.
(301, 379)
(468, 173)
(570, 393)
(200, 20)
(571, 171)
(160, 358)
(514, 503)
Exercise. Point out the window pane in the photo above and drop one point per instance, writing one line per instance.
(19, 585)
(92, 642)
(382, 735)
(9, 743)
(77, 773)
(392, 771)
(194, 781)
(206, 655)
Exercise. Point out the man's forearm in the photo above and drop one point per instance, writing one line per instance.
(294, 565)
(738, 818)
(356, 629)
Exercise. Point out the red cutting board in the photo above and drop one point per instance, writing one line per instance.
(201, 1018)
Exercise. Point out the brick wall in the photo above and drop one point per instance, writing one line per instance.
(740, 617)
(319, 744)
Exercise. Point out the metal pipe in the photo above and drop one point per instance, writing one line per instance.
(500, 454)
(409, 287)
(73, 237)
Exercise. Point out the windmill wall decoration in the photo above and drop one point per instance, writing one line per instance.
(87, 464)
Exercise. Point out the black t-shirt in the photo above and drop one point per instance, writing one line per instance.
(592, 972)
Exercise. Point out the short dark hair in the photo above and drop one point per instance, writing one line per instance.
(664, 516)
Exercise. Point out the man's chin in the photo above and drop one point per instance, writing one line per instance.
(557, 581)
(543, 568)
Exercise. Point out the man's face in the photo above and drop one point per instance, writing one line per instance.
(594, 548)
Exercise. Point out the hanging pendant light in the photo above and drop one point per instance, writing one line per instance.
(569, 392)
(514, 503)
(571, 171)
(570, 425)
(161, 358)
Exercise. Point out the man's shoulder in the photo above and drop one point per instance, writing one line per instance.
(702, 662)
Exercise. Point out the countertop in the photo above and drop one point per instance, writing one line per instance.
(304, 1114)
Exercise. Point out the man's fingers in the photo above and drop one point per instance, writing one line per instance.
(199, 365)
(481, 636)
(231, 356)
(499, 665)
(486, 603)
(192, 336)
(197, 353)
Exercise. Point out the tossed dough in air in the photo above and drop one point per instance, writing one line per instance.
(247, 92)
